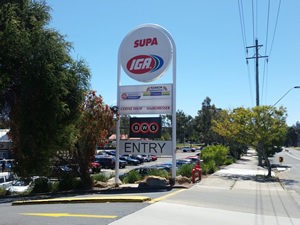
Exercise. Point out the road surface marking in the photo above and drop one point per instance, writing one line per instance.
(166, 196)
(70, 215)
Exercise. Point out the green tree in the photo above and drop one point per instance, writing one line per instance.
(263, 127)
(203, 122)
(268, 131)
(184, 126)
(40, 84)
(234, 127)
(293, 135)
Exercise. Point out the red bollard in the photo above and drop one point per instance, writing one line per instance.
(197, 169)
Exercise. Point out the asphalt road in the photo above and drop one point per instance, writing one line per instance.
(66, 214)
(289, 169)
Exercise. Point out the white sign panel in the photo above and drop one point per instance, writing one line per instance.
(145, 147)
(146, 53)
(145, 99)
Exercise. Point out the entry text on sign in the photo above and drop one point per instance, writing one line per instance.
(146, 147)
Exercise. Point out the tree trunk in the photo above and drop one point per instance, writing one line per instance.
(259, 154)
(267, 161)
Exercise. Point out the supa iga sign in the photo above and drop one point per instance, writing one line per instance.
(146, 53)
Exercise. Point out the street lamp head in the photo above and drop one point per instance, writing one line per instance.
(286, 94)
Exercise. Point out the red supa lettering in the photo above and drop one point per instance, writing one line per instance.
(145, 42)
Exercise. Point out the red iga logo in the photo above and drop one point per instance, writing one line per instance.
(141, 64)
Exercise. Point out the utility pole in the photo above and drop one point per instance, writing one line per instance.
(256, 57)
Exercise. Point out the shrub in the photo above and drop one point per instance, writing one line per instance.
(41, 185)
(132, 177)
(185, 170)
(100, 177)
(68, 183)
(209, 167)
(2, 192)
(217, 153)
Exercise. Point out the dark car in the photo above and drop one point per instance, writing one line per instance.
(181, 162)
(140, 158)
(130, 160)
(108, 162)
(188, 149)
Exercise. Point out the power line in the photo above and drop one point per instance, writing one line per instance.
(276, 23)
(266, 44)
(242, 23)
(253, 21)
(244, 38)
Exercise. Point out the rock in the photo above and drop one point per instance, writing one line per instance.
(181, 180)
(155, 181)
(100, 184)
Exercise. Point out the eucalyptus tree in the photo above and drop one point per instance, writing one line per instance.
(203, 123)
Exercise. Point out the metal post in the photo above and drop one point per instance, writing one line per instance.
(256, 74)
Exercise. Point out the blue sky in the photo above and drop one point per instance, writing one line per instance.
(209, 42)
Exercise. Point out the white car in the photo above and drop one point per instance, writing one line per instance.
(20, 186)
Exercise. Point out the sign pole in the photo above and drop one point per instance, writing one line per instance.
(117, 159)
(174, 110)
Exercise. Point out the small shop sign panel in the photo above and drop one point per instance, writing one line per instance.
(145, 99)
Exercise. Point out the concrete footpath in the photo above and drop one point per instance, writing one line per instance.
(238, 194)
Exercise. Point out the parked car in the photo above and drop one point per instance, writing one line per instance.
(8, 164)
(140, 158)
(130, 160)
(94, 167)
(22, 185)
(64, 169)
(188, 149)
(153, 157)
(6, 179)
(147, 158)
(193, 158)
(110, 152)
(180, 162)
(109, 162)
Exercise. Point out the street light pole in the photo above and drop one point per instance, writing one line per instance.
(285, 95)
